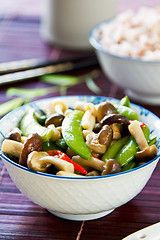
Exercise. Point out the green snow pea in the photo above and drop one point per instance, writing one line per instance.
(72, 134)
(61, 143)
(152, 141)
(50, 145)
(129, 166)
(41, 118)
(127, 153)
(125, 102)
(146, 132)
(127, 111)
(29, 125)
(115, 148)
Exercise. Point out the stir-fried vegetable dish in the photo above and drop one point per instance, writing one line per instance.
(87, 140)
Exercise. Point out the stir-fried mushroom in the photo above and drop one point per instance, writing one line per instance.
(56, 106)
(94, 145)
(12, 147)
(105, 135)
(88, 120)
(105, 109)
(117, 129)
(55, 119)
(33, 143)
(110, 119)
(111, 166)
(93, 174)
(15, 136)
(146, 152)
(37, 161)
(93, 162)
(33, 163)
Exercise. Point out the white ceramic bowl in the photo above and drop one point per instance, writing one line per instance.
(79, 198)
(140, 79)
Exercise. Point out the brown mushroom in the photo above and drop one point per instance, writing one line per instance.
(33, 161)
(111, 166)
(33, 143)
(41, 161)
(55, 119)
(105, 135)
(105, 108)
(93, 174)
(94, 145)
(147, 153)
(15, 136)
(110, 119)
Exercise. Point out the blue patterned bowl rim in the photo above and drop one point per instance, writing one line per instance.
(95, 100)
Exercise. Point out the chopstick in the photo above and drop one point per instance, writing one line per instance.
(35, 68)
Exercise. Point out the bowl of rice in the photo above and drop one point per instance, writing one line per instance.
(128, 49)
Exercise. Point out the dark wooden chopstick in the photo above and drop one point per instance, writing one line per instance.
(27, 64)
(39, 68)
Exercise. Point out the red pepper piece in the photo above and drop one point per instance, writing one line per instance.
(64, 156)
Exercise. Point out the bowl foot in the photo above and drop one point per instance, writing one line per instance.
(146, 99)
(81, 217)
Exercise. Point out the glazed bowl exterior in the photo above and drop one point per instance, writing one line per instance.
(139, 78)
(79, 198)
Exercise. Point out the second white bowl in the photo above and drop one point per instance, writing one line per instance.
(139, 78)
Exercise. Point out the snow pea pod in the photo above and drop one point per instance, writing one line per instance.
(61, 143)
(146, 132)
(127, 153)
(50, 145)
(127, 111)
(129, 166)
(115, 148)
(29, 125)
(152, 141)
(125, 102)
(72, 134)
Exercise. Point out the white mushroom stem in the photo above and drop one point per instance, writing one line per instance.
(11, 147)
(41, 164)
(60, 108)
(79, 105)
(57, 106)
(56, 133)
(88, 120)
(116, 130)
(93, 162)
(84, 106)
(136, 131)
(68, 174)
(92, 108)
